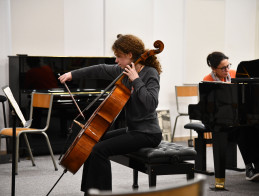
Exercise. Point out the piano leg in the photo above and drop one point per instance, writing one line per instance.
(220, 142)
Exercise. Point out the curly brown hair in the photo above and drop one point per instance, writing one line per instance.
(126, 44)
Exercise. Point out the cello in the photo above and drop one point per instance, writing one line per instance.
(101, 120)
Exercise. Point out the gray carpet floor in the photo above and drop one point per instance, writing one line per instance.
(38, 180)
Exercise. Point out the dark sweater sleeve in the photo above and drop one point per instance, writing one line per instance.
(101, 71)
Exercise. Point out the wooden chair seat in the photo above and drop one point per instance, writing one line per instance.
(19, 130)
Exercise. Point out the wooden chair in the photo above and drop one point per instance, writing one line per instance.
(44, 102)
(4, 156)
(182, 93)
(190, 94)
(194, 187)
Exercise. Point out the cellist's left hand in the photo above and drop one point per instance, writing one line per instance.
(131, 72)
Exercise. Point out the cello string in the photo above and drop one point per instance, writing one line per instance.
(99, 96)
(120, 77)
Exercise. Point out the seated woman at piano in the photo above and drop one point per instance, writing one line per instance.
(142, 80)
(220, 68)
(246, 139)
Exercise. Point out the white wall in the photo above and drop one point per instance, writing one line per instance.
(204, 33)
(190, 29)
(257, 31)
(169, 27)
(5, 41)
(5, 48)
(240, 33)
(37, 27)
(83, 28)
(128, 17)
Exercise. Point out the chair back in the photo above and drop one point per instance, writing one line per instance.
(185, 95)
(194, 187)
(3, 99)
(42, 100)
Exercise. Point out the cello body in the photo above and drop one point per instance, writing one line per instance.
(96, 126)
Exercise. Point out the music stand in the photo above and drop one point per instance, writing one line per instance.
(15, 111)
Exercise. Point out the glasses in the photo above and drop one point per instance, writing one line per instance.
(225, 67)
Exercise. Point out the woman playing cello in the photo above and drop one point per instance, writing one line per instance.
(142, 124)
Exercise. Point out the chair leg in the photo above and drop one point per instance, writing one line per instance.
(151, 179)
(175, 127)
(135, 179)
(29, 149)
(5, 141)
(50, 150)
(5, 124)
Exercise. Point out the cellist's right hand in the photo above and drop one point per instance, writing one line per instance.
(65, 77)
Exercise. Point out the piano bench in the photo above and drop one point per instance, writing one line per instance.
(167, 158)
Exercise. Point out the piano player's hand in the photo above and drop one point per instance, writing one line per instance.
(65, 77)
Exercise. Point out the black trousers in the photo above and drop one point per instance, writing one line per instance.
(248, 143)
(97, 168)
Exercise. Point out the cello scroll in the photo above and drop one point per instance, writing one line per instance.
(157, 44)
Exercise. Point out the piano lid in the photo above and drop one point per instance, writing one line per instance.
(247, 71)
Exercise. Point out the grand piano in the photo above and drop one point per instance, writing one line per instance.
(40, 73)
(223, 107)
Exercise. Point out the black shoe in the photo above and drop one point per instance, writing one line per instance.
(251, 175)
(256, 167)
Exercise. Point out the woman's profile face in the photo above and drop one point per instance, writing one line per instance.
(222, 69)
(123, 59)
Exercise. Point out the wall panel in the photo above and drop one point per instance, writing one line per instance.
(84, 28)
(204, 33)
(37, 27)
